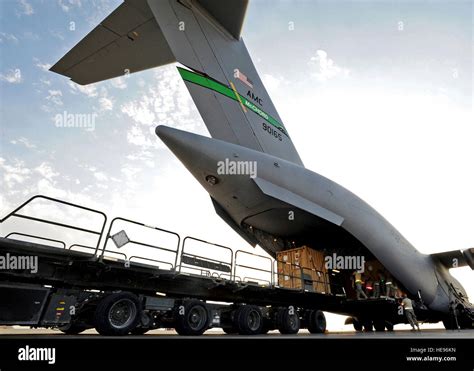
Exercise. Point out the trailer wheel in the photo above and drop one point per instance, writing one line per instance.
(357, 325)
(249, 320)
(316, 322)
(117, 314)
(368, 325)
(72, 329)
(192, 318)
(288, 322)
(379, 325)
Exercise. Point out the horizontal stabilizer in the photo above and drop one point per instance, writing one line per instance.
(230, 14)
(291, 198)
(456, 258)
(128, 40)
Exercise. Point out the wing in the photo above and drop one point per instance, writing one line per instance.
(456, 258)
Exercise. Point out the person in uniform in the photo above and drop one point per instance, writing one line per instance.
(358, 285)
(410, 312)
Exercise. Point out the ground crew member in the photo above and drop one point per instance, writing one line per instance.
(376, 289)
(409, 312)
(358, 285)
(388, 286)
(379, 285)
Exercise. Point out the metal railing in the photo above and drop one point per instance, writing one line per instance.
(205, 264)
(15, 214)
(174, 252)
(273, 273)
(254, 280)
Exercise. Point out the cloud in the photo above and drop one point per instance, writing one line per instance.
(26, 7)
(100, 176)
(31, 36)
(13, 76)
(14, 174)
(54, 96)
(143, 157)
(8, 37)
(66, 5)
(89, 90)
(118, 83)
(24, 141)
(45, 82)
(46, 171)
(57, 34)
(42, 66)
(166, 102)
(106, 104)
(271, 82)
(325, 68)
(139, 136)
(139, 111)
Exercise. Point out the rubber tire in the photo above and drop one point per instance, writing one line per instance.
(316, 322)
(379, 325)
(182, 324)
(72, 329)
(101, 320)
(389, 326)
(368, 326)
(357, 325)
(283, 321)
(241, 320)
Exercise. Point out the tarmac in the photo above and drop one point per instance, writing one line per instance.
(27, 333)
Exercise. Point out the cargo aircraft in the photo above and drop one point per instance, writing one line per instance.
(282, 204)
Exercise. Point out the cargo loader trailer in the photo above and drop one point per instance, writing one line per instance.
(190, 285)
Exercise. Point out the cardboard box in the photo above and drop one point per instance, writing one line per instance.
(303, 262)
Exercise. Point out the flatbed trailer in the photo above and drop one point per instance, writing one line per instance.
(79, 286)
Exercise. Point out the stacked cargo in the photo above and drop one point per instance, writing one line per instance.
(303, 267)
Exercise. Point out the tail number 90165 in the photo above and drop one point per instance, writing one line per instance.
(270, 130)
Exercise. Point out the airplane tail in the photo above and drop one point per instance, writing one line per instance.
(202, 35)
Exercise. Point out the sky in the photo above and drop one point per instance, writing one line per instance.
(376, 95)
